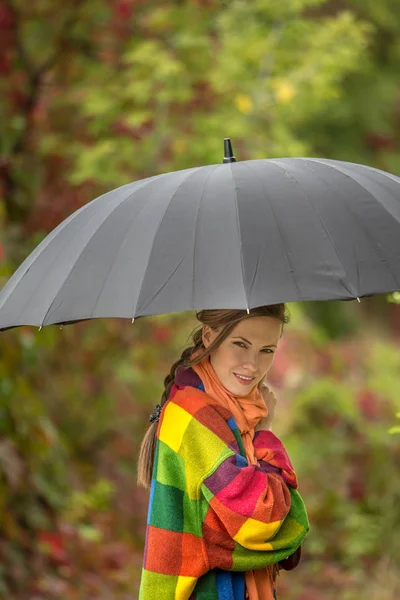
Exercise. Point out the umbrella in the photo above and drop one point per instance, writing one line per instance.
(233, 235)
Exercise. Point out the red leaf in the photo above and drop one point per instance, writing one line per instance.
(369, 404)
(123, 9)
(4, 65)
(381, 141)
(162, 334)
(54, 543)
(6, 18)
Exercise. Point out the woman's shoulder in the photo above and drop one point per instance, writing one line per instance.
(197, 402)
(188, 392)
(192, 415)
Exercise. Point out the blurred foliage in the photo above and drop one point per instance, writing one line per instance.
(341, 405)
(94, 94)
(395, 428)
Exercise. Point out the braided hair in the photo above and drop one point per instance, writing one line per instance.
(224, 319)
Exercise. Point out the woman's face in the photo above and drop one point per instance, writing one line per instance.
(248, 351)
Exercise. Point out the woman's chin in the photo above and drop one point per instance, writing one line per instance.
(237, 389)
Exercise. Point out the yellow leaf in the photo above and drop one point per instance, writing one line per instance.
(244, 103)
(284, 91)
(179, 146)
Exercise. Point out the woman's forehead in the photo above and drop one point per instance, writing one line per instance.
(262, 329)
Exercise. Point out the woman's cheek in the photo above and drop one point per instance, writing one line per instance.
(268, 362)
(236, 353)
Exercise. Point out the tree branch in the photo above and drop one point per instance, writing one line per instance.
(35, 76)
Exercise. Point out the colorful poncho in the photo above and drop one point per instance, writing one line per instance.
(212, 516)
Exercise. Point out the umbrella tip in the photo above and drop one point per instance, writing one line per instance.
(228, 152)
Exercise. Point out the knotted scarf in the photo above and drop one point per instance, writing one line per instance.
(247, 412)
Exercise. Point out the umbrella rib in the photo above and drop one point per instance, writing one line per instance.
(323, 224)
(192, 172)
(147, 181)
(195, 234)
(116, 254)
(253, 279)
(391, 176)
(240, 235)
(368, 236)
(366, 175)
(160, 289)
(277, 226)
(39, 250)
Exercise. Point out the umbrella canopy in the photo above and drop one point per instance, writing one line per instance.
(235, 235)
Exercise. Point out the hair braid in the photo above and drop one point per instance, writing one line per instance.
(148, 446)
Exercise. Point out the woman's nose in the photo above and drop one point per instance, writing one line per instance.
(251, 364)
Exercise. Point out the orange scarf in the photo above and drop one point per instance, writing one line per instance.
(247, 412)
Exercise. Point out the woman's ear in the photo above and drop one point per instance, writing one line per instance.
(207, 335)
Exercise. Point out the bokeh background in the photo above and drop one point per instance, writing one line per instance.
(97, 93)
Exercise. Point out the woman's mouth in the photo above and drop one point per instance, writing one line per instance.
(243, 379)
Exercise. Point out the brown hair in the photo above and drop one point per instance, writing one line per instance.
(227, 319)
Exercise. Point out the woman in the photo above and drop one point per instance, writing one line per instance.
(224, 512)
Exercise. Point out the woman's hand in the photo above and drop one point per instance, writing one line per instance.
(270, 401)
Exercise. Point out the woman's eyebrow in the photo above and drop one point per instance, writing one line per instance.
(247, 341)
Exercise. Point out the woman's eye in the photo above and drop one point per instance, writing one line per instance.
(240, 344)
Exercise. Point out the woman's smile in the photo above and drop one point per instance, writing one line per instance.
(243, 379)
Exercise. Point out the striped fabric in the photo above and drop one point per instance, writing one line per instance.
(211, 515)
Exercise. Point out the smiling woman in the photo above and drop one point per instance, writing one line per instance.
(224, 511)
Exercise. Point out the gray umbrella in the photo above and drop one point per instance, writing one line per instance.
(236, 235)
